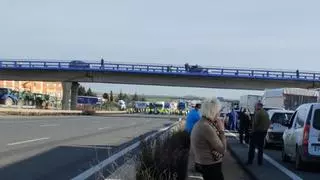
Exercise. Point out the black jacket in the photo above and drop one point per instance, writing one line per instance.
(244, 121)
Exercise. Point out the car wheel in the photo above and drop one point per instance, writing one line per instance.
(20, 102)
(9, 102)
(284, 156)
(299, 163)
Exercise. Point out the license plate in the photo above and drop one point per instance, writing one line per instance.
(316, 148)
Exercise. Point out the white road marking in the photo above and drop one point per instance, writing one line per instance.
(102, 128)
(286, 171)
(49, 125)
(28, 141)
(195, 177)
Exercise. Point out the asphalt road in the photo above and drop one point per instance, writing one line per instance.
(62, 147)
(310, 173)
(274, 168)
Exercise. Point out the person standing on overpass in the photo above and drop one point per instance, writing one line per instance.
(193, 117)
(260, 127)
(102, 63)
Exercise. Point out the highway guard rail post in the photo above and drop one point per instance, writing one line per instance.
(99, 168)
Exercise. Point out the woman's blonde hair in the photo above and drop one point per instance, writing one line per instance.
(210, 108)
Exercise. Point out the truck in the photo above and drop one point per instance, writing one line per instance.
(122, 105)
(87, 104)
(182, 107)
(288, 98)
(249, 102)
(140, 106)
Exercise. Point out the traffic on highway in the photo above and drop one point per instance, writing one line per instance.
(160, 90)
(61, 147)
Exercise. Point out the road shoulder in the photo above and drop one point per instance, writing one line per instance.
(230, 167)
(265, 172)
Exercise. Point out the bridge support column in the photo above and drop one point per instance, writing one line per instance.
(74, 95)
(66, 87)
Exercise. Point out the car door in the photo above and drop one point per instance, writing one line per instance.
(297, 135)
(314, 134)
(287, 135)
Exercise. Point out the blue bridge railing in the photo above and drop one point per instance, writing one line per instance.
(159, 69)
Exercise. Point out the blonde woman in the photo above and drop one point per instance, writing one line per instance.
(208, 142)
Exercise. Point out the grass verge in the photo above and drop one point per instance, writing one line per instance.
(165, 158)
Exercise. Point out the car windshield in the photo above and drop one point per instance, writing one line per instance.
(316, 119)
(281, 118)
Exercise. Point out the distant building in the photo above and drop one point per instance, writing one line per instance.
(50, 88)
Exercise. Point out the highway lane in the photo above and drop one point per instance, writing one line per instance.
(309, 173)
(274, 153)
(45, 147)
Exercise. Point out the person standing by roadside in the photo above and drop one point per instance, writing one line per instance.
(193, 116)
(260, 127)
(232, 122)
(208, 142)
(244, 126)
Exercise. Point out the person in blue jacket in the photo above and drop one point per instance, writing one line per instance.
(193, 116)
(233, 117)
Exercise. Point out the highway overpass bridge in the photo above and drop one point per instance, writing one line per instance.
(153, 74)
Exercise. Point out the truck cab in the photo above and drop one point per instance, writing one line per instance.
(8, 97)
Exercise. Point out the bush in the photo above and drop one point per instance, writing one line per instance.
(89, 112)
(111, 106)
(164, 159)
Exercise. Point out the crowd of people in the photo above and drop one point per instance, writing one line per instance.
(207, 135)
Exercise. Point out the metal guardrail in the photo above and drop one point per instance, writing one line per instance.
(160, 69)
(97, 168)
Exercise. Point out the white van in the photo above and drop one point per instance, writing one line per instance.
(301, 141)
(279, 120)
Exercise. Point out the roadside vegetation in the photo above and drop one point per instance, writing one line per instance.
(165, 158)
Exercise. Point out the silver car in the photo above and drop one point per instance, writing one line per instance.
(279, 120)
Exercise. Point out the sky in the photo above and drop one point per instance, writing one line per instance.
(248, 33)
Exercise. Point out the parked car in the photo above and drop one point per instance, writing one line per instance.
(78, 64)
(301, 141)
(279, 120)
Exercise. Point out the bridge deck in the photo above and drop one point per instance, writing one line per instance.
(161, 69)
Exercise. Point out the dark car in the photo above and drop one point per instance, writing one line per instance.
(79, 64)
(198, 69)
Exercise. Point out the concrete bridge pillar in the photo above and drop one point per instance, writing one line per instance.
(74, 95)
(66, 87)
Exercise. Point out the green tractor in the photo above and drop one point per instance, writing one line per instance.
(44, 101)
